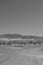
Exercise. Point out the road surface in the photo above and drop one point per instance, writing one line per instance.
(21, 56)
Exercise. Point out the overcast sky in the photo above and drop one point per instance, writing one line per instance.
(21, 16)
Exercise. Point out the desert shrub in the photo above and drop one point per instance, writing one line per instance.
(34, 43)
(3, 43)
(22, 42)
(39, 42)
(30, 42)
(14, 42)
(9, 43)
(0, 43)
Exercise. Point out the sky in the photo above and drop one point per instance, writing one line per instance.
(21, 16)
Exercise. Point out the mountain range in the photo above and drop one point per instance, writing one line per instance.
(20, 36)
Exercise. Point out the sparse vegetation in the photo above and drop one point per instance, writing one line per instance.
(20, 42)
(9, 43)
(0, 43)
(4, 43)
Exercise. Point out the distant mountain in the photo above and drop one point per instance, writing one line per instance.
(19, 36)
(11, 36)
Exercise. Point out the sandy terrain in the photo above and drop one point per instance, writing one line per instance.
(21, 56)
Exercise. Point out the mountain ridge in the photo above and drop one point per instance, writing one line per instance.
(20, 36)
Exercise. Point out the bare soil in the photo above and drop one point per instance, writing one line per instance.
(28, 55)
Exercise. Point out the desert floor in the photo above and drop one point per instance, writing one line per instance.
(21, 56)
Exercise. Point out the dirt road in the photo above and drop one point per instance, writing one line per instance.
(18, 56)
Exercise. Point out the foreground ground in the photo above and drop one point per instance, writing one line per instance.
(21, 56)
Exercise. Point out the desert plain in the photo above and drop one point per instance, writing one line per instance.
(21, 56)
